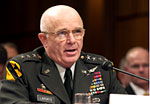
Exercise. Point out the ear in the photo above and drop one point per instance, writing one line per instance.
(42, 38)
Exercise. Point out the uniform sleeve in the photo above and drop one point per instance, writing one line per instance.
(13, 89)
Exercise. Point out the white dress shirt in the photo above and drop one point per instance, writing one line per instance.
(137, 89)
(62, 71)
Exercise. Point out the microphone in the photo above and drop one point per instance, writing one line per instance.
(106, 64)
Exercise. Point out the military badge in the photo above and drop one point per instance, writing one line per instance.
(43, 90)
(93, 69)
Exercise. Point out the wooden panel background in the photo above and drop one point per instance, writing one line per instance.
(112, 26)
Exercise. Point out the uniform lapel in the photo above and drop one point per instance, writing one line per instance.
(52, 80)
(82, 79)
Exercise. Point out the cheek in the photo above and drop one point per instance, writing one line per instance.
(134, 71)
(55, 47)
(45, 43)
(146, 71)
(80, 44)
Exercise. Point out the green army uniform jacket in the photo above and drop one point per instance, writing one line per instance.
(33, 78)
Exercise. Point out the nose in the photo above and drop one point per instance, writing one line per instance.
(141, 69)
(71, 38)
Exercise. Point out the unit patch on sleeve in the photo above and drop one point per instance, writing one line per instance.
(13, 70)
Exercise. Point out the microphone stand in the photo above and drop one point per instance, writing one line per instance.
(134, 75)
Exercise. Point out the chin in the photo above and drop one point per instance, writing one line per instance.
(71, 59)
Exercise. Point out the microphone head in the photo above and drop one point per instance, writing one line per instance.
(107, 64)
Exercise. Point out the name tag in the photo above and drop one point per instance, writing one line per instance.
(44, 98)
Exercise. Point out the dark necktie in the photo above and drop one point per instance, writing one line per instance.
(68, 81)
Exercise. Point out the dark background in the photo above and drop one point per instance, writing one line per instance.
(112, 26)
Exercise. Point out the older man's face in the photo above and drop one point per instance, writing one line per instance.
(65, 50)
(139, 65)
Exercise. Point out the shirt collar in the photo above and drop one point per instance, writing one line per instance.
(137, 89)
(62, 71)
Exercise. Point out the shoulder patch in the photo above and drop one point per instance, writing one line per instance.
(13, 70)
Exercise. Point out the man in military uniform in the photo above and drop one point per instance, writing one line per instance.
(57, 71)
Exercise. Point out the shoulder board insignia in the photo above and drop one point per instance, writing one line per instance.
(28, 56)
(92, 58)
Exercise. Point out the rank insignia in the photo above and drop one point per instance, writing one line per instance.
(43, 90)
(97, 85)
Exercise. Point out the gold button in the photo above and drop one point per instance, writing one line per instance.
(82, 57)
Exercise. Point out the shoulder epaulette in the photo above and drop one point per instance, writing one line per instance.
(34, 55)
(29, 56)
(92, 58)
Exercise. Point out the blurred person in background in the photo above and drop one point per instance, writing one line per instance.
(3, 59)
(137, 62)
(11, 49)
(122, 77)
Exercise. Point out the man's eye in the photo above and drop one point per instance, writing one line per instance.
(78, 31)
(135, 66)
(145, 65)
(62, 33)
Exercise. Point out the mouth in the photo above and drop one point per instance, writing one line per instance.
(70, 51)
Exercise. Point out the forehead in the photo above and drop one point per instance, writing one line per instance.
(68, 23)
(64, 18)
(65, 23)
(139, 57)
